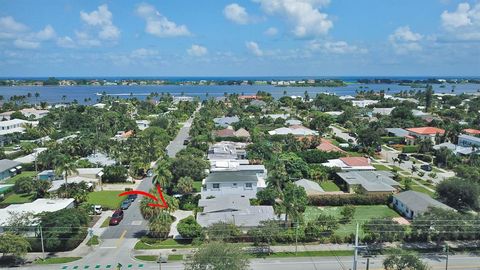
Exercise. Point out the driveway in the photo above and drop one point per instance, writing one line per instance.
(342, 134)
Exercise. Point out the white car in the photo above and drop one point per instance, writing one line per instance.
(97, 209)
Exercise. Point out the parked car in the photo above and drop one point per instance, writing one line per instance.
(426, 167)
(116, 217)
(125, 204)
(97, 209)
(16, 147)
(132, 197)
(185, 142)
(404, 157)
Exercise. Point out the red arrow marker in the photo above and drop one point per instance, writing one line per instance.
(143, 193)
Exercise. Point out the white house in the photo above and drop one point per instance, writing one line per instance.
(142, 124)
(364, 102)
(14, 125)
(242, 181)
(423, 133)
(412, 203)
(36, 207)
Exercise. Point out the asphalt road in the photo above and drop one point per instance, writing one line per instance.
(117, 242)
(342, 134)
(463, 262)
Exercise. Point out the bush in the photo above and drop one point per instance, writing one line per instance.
(189, 228)
(114, 173)
(393, 140)
(422, 157)
(188, 202)
(353, 199)
(410, 149)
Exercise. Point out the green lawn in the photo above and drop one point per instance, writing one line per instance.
(396, 168)
(321, 253)
(175, 257)
(93, 241)
(197, 186)
(105, 223)
(108, 199)
(422, 190)
(14, 198)
(362, 213)
(57, 260)
(381, 167)
(165, 244)
(329, 186)
(148, 258)
(12, 180)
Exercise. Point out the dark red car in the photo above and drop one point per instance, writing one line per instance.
(116, 217)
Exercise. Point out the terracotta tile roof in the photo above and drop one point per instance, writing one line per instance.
(225, 133)
(472, 131)
(327, 146)
(128, 134)
(248, 97)
(426, 130)
(355, 161)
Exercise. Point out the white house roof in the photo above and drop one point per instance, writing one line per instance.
(36, 207)
(310, 187)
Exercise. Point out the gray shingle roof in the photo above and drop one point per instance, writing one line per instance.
(309, 186)
(7, 164)
(398, 132)
(370, 180)
(419, 202)
(233, 209)
(232, 176)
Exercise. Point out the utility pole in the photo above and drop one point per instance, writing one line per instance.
(355, 254)
(41, 239)
(357, 247)
(446, 261)
(296, 237)
(368, 264)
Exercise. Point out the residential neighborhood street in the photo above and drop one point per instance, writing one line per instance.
(117, 242)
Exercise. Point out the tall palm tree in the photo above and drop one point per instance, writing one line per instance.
(164, 175)
(66, 167)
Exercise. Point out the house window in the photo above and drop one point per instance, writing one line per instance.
(234, 185)
(248, 185)
(216, 186)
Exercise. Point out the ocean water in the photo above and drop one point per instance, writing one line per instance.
(59, 94)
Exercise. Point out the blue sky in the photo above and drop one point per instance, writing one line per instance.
(239, 38)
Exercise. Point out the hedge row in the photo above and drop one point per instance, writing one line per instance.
(410, 149)
(353, 199)
(393, 140)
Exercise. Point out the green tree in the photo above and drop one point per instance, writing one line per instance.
(348, 212)
(383, 230)
(218, 256)
(163, 175)
(267, 233)
(321, 226)
(404, 261)
(114, 173)
(66, 167)
(189, 166)
(321, 122)
(185, 185)
(294, 202)
(189, 228)
(14, 245)
(24, 185)
(159, 225)
(428, 98)
(459, 193)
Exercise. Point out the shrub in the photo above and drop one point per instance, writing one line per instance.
(353, 199)
(422, 157)
(410, 149)
(189, 228)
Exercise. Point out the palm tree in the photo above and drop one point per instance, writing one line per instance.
(164, 176)
(185, 185)
(66, 167)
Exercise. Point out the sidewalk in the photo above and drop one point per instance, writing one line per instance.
(179, 215)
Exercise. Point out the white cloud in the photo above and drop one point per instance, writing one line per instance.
(26, 44)
(47, 33)
(304, 15)
(236, 13)
(272, 31)
(335, 47)
(197, 50)
(159, 25)
(254, 48)
(463, 23)
(84, 39)
(143, 53)
(102, 18)
(9, 27)
(66, 42)
(405, 40)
